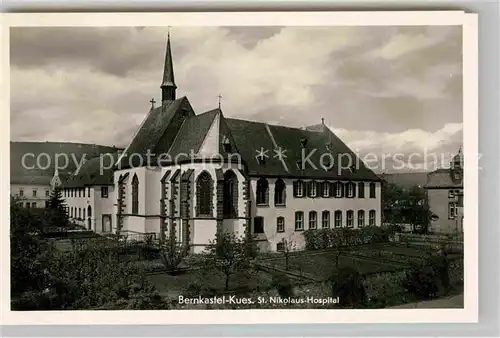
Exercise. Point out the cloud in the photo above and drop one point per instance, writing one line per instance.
(95, 84)
(414, 147)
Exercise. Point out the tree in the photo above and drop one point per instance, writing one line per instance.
(230, 254)
(56, 209)
(406, 206)
(29, 262)
(289, 246)
(172, 253)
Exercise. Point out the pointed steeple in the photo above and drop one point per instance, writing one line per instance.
(168, 86)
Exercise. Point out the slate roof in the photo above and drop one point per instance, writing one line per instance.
(252, 136)
(91, 174)
(21, 175)
(192, 133)
(406, 180)
(152, 129)
(442, 179)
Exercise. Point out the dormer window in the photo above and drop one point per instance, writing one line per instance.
(303, 142)
(226, 144)
(329, 146)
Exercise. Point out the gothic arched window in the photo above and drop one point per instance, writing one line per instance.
(230, 194)
(135, 195)
(262, 192)
(279, 192)
(204, 194)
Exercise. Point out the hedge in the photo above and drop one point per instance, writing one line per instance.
(342, 237)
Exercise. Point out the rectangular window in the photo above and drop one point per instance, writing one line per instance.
(299, 221)
(452, 207)
(312, 189)
(372, 218)
(258, 225)
(361, 218)
(313, 220)
(46, 204)
(338, 189)
(104, 192)
(33, 205)
(350, 190)
(299, 189)
(325, 219)
(34, 192)
(326, 189)
(280, 224)
(79, 192)
(280, 246)
(21, 192)
(350, 218)
(47, 193)
(88, 192)
(338, 219)
(451, 194)
(372, 190)
(28, 205)
(361, 190)
(79, 212)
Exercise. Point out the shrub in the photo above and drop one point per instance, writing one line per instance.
(282, 284)
(337, 237)
(423, 281)
(347, 284)
(385, 289)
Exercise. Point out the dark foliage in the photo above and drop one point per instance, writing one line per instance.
(426, 281)
(55, 212)
(341, 237)
(347, 284)
(281, 282)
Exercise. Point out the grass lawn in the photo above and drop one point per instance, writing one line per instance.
(212, 281)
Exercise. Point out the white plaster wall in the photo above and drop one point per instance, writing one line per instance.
(28, 193)
(236, 226)
(103, 206)
(153, 225)
(81, 202)
(202, 233)
(152, 192)
(305, 204)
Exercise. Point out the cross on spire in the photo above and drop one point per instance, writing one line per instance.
(152, 103)
(220, 98)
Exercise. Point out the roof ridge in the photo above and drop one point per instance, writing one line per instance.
(275, 125)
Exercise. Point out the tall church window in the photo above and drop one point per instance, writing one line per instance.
(135, 195)
(279, 192)
(204, 194)
(262, 192)
(230, 194)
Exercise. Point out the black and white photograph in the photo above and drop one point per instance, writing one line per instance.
(238, 167)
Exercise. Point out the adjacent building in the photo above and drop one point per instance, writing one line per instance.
(445, 192)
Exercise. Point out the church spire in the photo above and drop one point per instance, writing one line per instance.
(168, 85)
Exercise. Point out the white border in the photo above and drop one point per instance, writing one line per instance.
(470, 120)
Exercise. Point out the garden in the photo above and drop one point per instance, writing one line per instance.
(364, 267)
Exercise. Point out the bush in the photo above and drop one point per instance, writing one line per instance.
(422, 282)
(282, 284)
(385, 289)
(338, 237)
(347, 284)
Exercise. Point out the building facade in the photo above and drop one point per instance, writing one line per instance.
(445, 193)
(192, 176)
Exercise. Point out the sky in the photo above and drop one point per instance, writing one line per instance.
(383, 90)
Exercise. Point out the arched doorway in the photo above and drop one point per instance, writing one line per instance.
(89, 215)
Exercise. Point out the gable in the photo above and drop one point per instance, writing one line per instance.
(157, 131)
